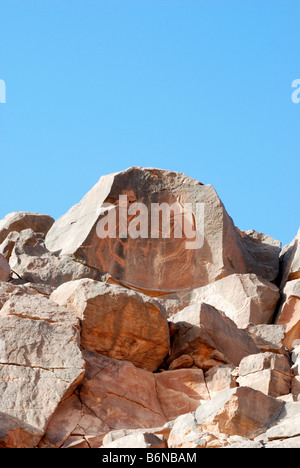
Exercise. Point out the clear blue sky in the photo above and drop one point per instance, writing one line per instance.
(197, 86)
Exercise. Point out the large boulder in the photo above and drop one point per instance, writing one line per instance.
(21, 220)
(209, 337)
(123, 237)
(40, 360)
(4, 269)
(117, 322)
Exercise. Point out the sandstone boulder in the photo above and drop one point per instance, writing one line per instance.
(140, 440)
(268, 372)
(117, 322)
(289, 312)
(243, 411)
(209, 337)
(150, 257)
(4, 269)
(19, 221)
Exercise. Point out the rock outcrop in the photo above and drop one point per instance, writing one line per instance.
(144, 318)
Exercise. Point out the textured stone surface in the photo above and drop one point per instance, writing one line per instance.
(209, 337)
(269, 338)
(118, 395)
(287, 424)
(241, 411)
(180, 391)
(34, 263)
(148, 263)
(220, 378)
(117, 322)
(245, 299)
(4, 269)
(16, 434)
(40, 359)
(289, 312)
(268, 372)
(290, 261)
(20, 220)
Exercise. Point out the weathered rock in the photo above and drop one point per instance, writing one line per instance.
(34, 263)
(243, 411)
(209, 337)
(153, 262)
(290, 261)
(244, 299)
(287, 424)
(20, 220)
(296, 387)
(186, 433)
(17, 434)
(34, 378)
(269, 338)
(117, 322)
(180, 391)
(268, 372)
(63, 422)
(4, 269)
(117, 395)
(265, 250)
(289, 312)
(183, 362)
(220, 378)
(161, 432)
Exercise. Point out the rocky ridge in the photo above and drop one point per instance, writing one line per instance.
(147, 340)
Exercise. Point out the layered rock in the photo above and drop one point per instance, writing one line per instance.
(117, 322)
(150, 258)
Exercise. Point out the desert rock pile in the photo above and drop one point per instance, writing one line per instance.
(144, 338)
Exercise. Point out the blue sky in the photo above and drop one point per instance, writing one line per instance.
(197, 86)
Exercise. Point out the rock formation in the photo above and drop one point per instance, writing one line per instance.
(144, 318)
